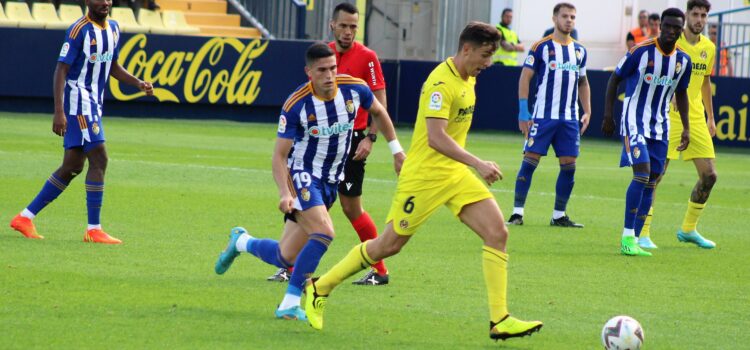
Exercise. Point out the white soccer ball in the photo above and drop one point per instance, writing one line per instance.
(622, 333)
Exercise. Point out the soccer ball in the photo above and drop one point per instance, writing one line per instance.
(622, 333)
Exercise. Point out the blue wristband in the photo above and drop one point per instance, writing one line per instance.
(523, 110)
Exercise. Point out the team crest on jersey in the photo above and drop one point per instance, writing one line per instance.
(64, 50)
(579, 54)
(95, 128)
(636, 152)
(349, 106)
(404, 224)
(529, 60)
(704, 54)
(305, 194)
(531, 141)
(678, 68)
(436, 101)
(311, 118)
(282, 123)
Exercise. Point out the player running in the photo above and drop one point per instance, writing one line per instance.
(87, 59)
(654, 71)
(313, 140)
(436, 173)
(559, 63)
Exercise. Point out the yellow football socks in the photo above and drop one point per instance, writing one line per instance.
(356, 260)
(692, 215)
(646, 230)
(495, 267)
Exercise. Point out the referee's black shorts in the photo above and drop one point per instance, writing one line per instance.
(354, 170)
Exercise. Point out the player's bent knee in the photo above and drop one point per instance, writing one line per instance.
(709, 178)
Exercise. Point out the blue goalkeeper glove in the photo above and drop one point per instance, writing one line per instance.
(523, 110)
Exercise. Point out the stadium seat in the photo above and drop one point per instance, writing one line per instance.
(152, 20)
(19, 11)
(4, 21)
(236, 32)
(126, 19)
(70, 13)
(45, 12)
(176, 20)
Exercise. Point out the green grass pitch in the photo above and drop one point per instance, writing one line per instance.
(174, 188)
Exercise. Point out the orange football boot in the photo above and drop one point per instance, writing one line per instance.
(25, 226)
(96, 235)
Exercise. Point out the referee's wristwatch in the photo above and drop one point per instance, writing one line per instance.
(372, 137)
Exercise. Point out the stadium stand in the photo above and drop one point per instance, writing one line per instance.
(176, 20)
(126, 19)
(152, 20)
(4, 21)
(19, 11)
(210, 17)
(70, 13)
(45, 12)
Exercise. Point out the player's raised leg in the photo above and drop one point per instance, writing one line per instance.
(360, 257)
(73, 162)
(486, 220)
(706, 179)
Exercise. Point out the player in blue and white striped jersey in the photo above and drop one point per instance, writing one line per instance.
(87, 58)
(654, 71)
(313, 141)
(559, 63)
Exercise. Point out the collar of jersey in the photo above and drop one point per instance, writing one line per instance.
(656, 42)
(452, 66)
(106, 22)
(335, 92)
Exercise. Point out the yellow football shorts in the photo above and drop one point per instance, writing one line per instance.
(701, 145)
(416, 199)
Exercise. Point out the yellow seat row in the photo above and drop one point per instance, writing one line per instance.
(44, 15)
(168, 22)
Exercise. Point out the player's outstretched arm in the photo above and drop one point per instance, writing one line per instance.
(608, 124)
(281, 173)
(524, 117)
(584, 95)
(440, 141)
(683, 106)
(119, 73)
(59, 122)
(365, 146)
(383, 120)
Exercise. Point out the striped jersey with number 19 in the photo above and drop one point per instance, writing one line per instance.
(322, 129)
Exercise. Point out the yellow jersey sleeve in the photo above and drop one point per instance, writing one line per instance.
(436, 99)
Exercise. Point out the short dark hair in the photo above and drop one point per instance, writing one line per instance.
(557, 7)
(673, 12)
(506, 10)
(699, 3)
(317, 51)
(346, 7)
(642, 12)
(654, 17)
(479, 34)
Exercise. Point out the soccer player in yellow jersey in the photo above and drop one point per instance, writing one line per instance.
(701, 151)
(435, 173)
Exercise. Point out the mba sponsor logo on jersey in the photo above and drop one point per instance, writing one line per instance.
(336, 128)
(436, 101)
(104, 57)
(653, 79)
(566, 66)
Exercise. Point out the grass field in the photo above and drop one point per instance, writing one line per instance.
(174, 189)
